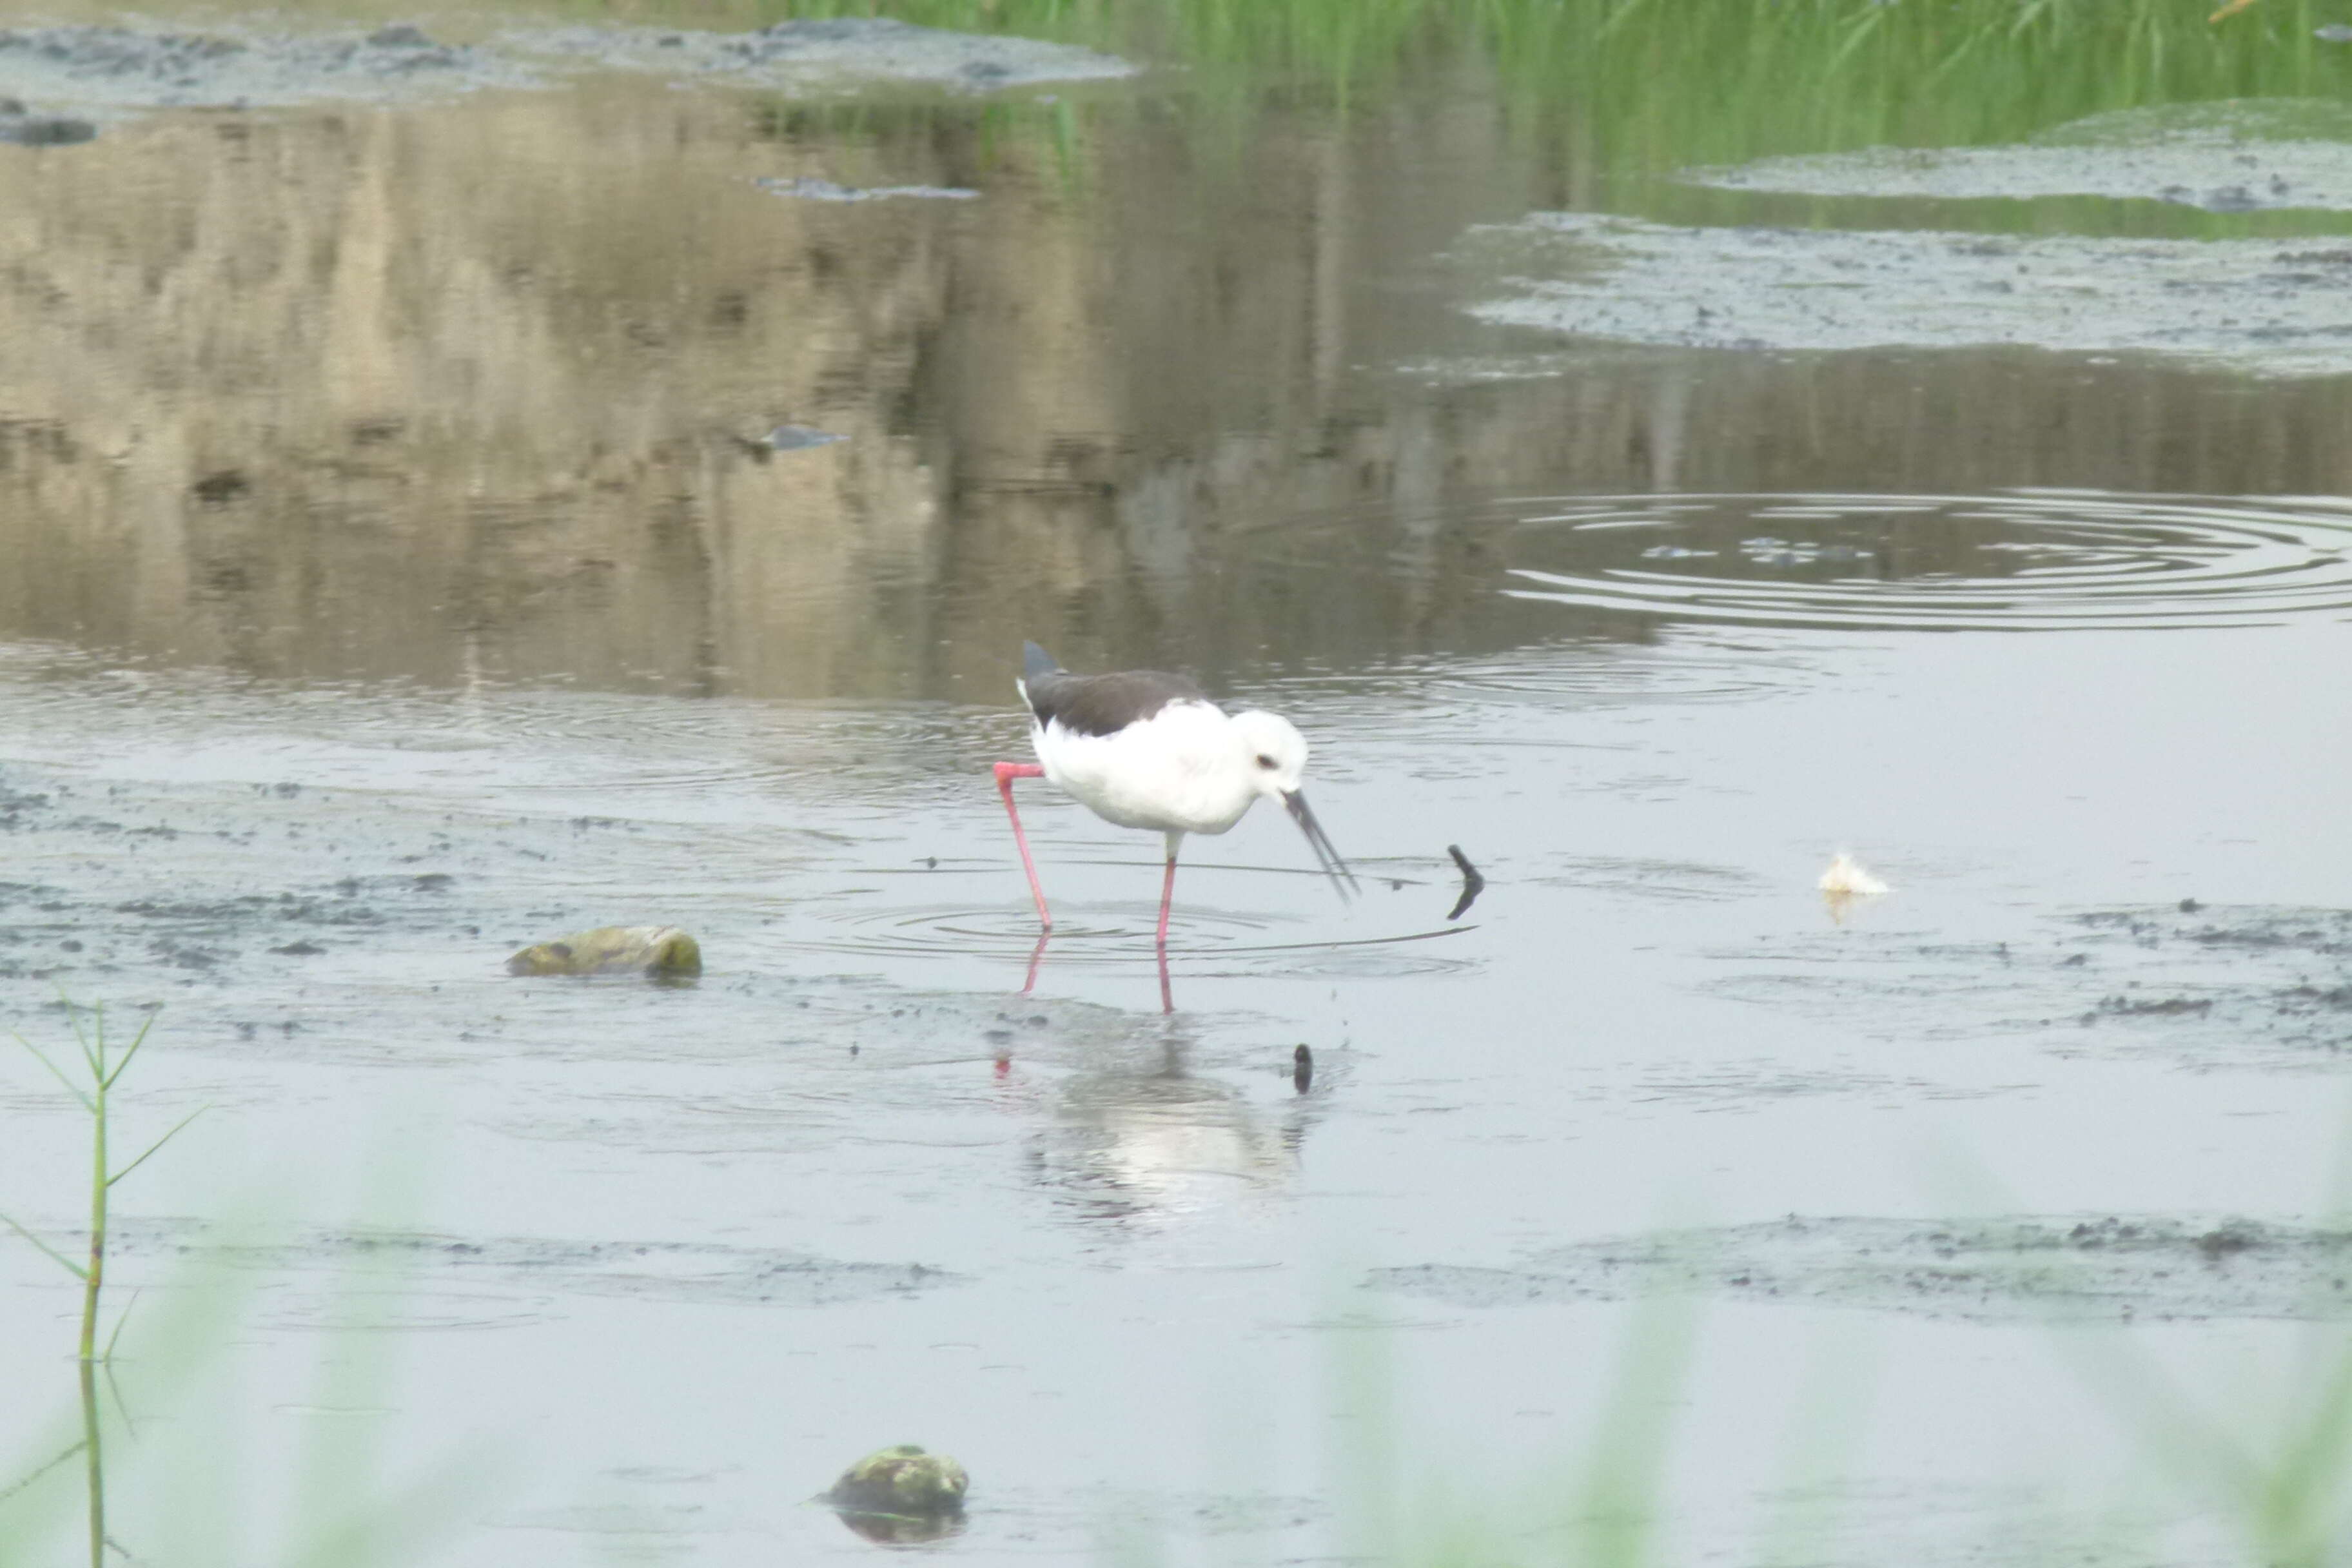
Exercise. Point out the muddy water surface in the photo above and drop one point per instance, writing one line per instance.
(412, 556)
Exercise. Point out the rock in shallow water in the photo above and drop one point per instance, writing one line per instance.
(661, 951)
(902, 1481)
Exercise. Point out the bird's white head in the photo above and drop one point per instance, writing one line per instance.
(1275, 755)
(1274, 751)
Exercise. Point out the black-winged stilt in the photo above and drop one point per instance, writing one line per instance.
(1144, 749)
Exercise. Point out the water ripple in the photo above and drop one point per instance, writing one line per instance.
(2027, 561)
(1202, 942)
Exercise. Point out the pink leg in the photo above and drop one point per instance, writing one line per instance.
(1167, 896)
(1167, 892)
(1005, 773)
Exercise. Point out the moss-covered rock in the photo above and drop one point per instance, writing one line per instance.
(904, 1482)
(663, 951)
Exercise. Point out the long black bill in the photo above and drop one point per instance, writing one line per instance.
(1325, 855)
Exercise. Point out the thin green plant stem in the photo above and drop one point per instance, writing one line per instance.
(103, 1076)
(60, 1258)
(29, 1477)
(159, 1143)
(115, 1337)
(55, 1071)
(94, 1280)
(96, 1459)
(129, 1051)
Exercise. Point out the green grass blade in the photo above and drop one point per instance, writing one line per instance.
(58, 1073)
(107, 1082)
(95, 1059)
(79, 1271)
(113, 1339)
(159, 1143)
(21, 1482)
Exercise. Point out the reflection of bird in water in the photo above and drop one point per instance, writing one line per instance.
(1153, 1141)
(1146, 750)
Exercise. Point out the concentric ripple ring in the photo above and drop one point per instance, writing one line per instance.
(2019, 560)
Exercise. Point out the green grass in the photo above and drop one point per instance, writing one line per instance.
(102, 1073)
(342, 1512)
(1657, 84)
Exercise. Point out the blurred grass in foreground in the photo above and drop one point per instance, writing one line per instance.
(183, 1481)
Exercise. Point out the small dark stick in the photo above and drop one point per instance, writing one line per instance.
(1302, 1069)
(1473, 884)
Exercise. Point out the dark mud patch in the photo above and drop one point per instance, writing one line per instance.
(403, 1279)
(111, 72)
(2271, 307)
(2254, 987)
(123, 70)
(832, 53)
(360, 926)
(1998, 1271)
(2323, 933)
(2229, 157)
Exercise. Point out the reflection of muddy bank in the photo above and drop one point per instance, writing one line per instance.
(460, 428)
(2224, 158)
(2275, 307)
(1988, 1272)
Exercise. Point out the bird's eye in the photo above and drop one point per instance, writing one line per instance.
(1264, 761)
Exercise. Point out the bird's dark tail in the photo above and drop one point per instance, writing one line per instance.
(1035, 661)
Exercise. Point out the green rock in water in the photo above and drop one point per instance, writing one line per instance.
(663, 951)
(903, 1481)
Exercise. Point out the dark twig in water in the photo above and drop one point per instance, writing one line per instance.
(1473, 884)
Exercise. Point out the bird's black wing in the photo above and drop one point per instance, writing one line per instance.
(1099, 704)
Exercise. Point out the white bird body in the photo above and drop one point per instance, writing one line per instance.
(1189, 768)
(1847, 878)
(1145, 749)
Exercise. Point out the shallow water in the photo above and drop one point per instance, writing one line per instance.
(407, 569)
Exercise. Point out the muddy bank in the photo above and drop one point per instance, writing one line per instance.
(2268, 307)
(2226, 157)
(828, 53)
(115, 71)
(1998, 1271)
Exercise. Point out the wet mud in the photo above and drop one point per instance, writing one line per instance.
(2244, 156)
(119, 72)
(648, 539)
(2269, 306)
(409, 1279)
(834, 52)
(2209, 987)
(2005, 1271)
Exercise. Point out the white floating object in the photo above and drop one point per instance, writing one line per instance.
(1846, 879)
